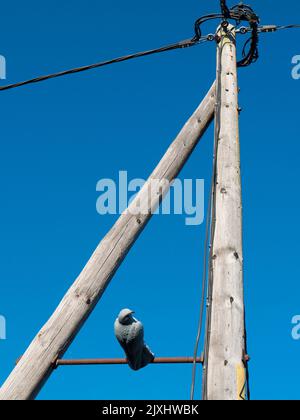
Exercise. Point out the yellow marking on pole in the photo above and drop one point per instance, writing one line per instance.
(241, 382)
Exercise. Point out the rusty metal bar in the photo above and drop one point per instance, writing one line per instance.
(157, 360)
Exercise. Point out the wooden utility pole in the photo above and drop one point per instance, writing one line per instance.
(53, 340)
(224, 375)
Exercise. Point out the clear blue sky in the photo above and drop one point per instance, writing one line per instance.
(60, 137)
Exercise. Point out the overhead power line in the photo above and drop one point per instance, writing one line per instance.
(266, 28)
(182, 44)
(238, 13)
(287, 27)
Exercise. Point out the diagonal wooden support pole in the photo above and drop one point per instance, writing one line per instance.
(55, 337)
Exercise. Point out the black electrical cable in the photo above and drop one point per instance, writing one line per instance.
(204, 281)
(246, 13)
(266, 28)
(212, 216)
(178, 45)
(238, 13)
(224, 8)
(278, 28)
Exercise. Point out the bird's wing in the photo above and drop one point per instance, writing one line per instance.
(136, 333)
(135, 345)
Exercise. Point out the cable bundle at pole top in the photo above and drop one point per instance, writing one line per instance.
(240, 13)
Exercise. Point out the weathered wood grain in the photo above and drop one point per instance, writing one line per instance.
(225, 373)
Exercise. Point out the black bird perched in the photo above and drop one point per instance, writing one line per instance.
(130, 334)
